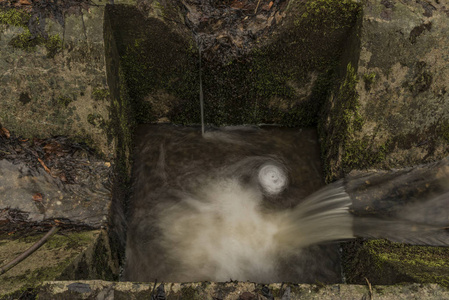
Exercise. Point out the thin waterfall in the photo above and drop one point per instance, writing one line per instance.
(201, 93)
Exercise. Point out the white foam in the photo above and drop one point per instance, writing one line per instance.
(272, 179)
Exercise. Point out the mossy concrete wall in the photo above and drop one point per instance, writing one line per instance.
(397, 108)
(284, 79)
(383, 262)
(65, 256)
(406, 199)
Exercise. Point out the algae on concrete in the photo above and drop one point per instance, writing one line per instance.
(283, 80)
(64, 68)
(401, 64)
(49, 262)
(384, 262)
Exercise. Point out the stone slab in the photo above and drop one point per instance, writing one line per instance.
(234, 291)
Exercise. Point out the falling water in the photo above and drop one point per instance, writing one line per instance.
(201, 92)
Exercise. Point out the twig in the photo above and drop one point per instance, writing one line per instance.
(30, 250)
(370, 289)
(154, 287)
(44, 166)
(257, 6)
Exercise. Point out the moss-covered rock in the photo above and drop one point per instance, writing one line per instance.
(59, 258)
(384, 262)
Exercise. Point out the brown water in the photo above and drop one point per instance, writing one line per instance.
(232, 205)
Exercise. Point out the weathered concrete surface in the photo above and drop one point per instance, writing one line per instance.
(68, 255)
(65, 94)
(59, 88)
(234, 291)
(397, 114)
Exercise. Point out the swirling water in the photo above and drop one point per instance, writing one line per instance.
(232, 204)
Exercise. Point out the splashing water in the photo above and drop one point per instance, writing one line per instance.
(227, 207)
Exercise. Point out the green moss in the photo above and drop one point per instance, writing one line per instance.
(266, 86)
(14, 17)
(159, 9)
(60, 250)
(77, 240)
(322, 15)
(360, 154)
(344, 121)
(22, 293)
(64, 100)
(100, 94)
(101, 262)
(96, 120)
(25, 41)
(443, 130)
(53, 45)
(189, 293)
(146, 75)
(369, 79)
(343, 147)
(384, 262)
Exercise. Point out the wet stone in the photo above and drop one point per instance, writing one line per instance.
(53, 179)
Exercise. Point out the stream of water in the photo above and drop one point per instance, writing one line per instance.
(201, 93)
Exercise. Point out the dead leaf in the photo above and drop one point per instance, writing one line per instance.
(268, 6)
(43, 165)
(5, 132)
(52, 147)
(63, 177)
(24, 2)
(37, 197)
(38, 142)
(237, 4)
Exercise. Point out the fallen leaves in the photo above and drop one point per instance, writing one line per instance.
(238, 4)
(268, 6)
(53, 148)
(37, 197)
(4, 132)
(242, 22)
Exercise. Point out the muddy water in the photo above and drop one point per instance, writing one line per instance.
(221, 207)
